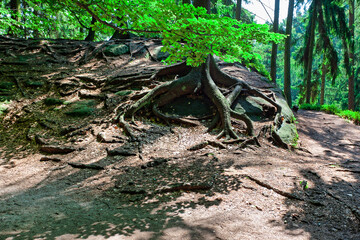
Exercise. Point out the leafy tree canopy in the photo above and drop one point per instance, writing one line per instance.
(187, 32)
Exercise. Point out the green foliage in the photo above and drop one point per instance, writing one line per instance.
(187, 32)
(332, 109)
(307, 106)
(351, 115)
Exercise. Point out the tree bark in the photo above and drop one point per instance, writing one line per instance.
(351, 96)
(238, 10)
(15, 9)
(202, 3)
(311, 42)
(323, 77)
(287, 53)
(91, 34)
(274, 45)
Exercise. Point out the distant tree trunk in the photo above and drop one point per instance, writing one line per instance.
(351, 96)
(238, 10)
(287, 53)
(308, 67)
(202, 3)
(15, 9)
(323, 77)
(15, 13)
(91, 34)
(274, 45)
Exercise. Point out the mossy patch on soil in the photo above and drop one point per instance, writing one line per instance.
(81, 109)
(50, 101)
(34, 84)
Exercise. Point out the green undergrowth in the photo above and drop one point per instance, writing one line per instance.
(333, 109)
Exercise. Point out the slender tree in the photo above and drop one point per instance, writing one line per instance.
(274, 45)
(238, 10)
(324, 17)
(351, 96)
(287, 53)
(323, 77)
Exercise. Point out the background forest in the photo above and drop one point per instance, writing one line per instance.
(323, 65)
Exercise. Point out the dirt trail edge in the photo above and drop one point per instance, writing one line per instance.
(207, 194)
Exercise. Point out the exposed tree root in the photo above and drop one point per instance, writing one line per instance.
(282, 193)
(206, 143)
(206, 79)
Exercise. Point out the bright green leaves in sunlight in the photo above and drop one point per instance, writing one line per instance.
(187, 32)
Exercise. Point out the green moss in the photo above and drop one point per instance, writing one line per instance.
(6, 86)
(81, 109)
(53, 101)
(34, 83)
(124, 93)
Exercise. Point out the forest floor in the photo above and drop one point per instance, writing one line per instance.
(111, 188)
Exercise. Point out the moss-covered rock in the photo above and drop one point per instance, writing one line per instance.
(158, 55)
(116, 50)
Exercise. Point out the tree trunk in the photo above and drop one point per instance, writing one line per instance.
(120, 35)
(186, 1)
(323, 77)
(238, 10)
(287, 53)
(202, 3)
(308, 70)
(15, 9)
(274, 45)
(91, 34)
(351, 96)
(15, 13)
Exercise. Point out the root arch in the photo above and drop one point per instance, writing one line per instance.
(207, 78)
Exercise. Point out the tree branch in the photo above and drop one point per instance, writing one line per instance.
(86, 8)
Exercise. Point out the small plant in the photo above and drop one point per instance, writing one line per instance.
(304, 184)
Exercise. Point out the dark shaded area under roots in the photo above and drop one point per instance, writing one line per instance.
(208, 80)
